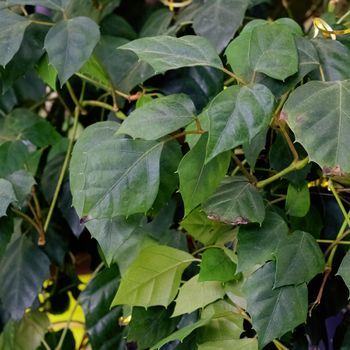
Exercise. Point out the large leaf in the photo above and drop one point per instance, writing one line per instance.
(113, 176)
(229, 344)
(298, 259)
(276, 311)
(344, 269)
(317, 112)
(156, 23)
(236, 202)
(165, 52)
(101, 321)
(58, 5)
(153, 278)
(237, 115)
(159, 117)
(7, 196)
(197, 179)
(23, 269)
(219, 20)
(200, 293)
(12, 27)
(69, 44)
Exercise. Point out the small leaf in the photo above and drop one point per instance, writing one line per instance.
(344, 269)
(69, 44)
(200, 294)
(47, 72)
(159, 117)
(153, 278)
(12, 28)
(236, 202)
(298, 200)
(276, 311)
(7, 196)
(165, 52)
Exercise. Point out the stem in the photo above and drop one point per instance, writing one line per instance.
(184, 133)
(27, 218)
(333, 242)
(64, 169)
(99, 104)
(321, 73)
(289, 141)
(75, 99)
(245, 172)
(43, 23)
(341, 206)
(341, 19)
(279, 345)
(234, 76)
(292, 167)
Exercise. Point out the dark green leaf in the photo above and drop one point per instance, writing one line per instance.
(298, 200)
(229, 344)
(157, 23)
(6, 231)
(117, 26)
(344, 269)
(7, 196)
(22, 183)
(58, 5)
(253, 149)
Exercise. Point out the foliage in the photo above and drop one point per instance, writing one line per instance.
(195, 154)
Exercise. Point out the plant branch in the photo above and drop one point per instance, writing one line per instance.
(99, 104)
(75, 99)
(43, 23)
(279, 345)
(252, 179)
(27, 218)
(234, 76)
(288, 140)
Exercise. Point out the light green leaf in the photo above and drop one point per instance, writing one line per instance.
(69, 44)
(317, 113)
(344, 269)
(159, 117)
(236, 202)
(237, 115)
(219, 20)
(113, 176)
(216, 266)
(165, 52)
(12, 28)
(276, 311)
(23, 269)
(157, 23)
(197, 179)
(58, 5)
(22, 183)
(153, 278)
(230, 344)
(298, 259)
(7, 196)
(200, 294)
(298, 200)
(256, 244)
(47, 72)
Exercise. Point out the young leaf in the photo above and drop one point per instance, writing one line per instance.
(7, 196)
(317, 113)
(236, 116)
(298, 259)
(276, 311)
(69, 44)
(12, 28)
(298, 200)
(236, 202)
(200, 294)
(197, 179)
(344, 269)
(165, 52)
(153, 278)
(159, 117)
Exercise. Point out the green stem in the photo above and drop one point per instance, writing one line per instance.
(292, 167)
(279, 345)
(99, 104)
(234, 76)
(332, 241)
(27, 218)
(337, 198)
(341, 19)
(43, 23)
(74, 98)
(250, 177)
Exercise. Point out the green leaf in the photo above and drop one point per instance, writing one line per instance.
(256, 245)
(147, 327)
(69, 44)
(153, 278)
(6, 231)
(22, 183)
(157, 23)
(197, 179)
(23, 269)
(216, 266)
(7, 196)
(237, 115)
(101, 321)
(266, 47)
(113, 176)
(252, 150)
(159, 117)
(276, 311)
(47, 72)
(317, 113)
(165, 52)
(12, 28)
(219, 20)
(344, 269)
(236, 202)
(298, 200)
(200, 294)
(58, 5)
(229, 344)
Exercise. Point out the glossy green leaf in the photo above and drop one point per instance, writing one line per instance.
(216, 266)
(317, 112)
(105, 169)
(219, 20)
(229, 344)
(7, 196)
(344, 269)
(200, 293)
(22, 183)
(165, 52)
(157, 23)
(274, 312)
(298, 259)
(153, 278)
(159, 117)
(58, 5)
(237, 115)
(12, 27)
(23, 269)
(298, 200)
(197, 179)
(256, 244)
(236, 202)
(69, 44)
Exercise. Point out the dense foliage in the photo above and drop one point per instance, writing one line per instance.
(193, 156)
